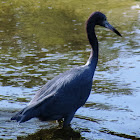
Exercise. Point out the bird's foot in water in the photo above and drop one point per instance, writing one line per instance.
(62, 126)
(60, 122)
(67, 127)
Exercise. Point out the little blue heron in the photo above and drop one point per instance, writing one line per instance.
(60, 98)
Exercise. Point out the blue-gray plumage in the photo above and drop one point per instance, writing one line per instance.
(63, 95)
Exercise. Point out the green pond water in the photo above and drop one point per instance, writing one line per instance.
(42, 38)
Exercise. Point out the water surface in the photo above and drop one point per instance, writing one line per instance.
(39, 40)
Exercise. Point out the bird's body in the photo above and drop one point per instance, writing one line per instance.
(61, 96)
(64, 94)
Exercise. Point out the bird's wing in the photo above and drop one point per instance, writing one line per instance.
(60, 83)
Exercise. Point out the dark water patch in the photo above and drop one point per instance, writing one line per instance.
(103, 106)
(115, 86)
(22, 100)
(87, 118)
(104, 130)
(54, 134)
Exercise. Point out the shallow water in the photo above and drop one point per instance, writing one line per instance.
(39, 40)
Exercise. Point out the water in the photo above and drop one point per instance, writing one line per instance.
(39, 40)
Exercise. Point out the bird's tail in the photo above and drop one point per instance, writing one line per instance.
(18, 115)
(26, 114)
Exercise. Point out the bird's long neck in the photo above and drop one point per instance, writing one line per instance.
(93, 59)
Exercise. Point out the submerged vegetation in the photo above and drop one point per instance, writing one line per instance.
(53, 134)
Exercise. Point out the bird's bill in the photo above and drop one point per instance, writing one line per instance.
(107, 25)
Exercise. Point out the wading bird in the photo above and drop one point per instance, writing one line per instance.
(60, 98)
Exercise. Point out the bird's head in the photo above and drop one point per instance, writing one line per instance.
(99, 18)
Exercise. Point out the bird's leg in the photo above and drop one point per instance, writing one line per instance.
(60, 121)
(67, 120)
